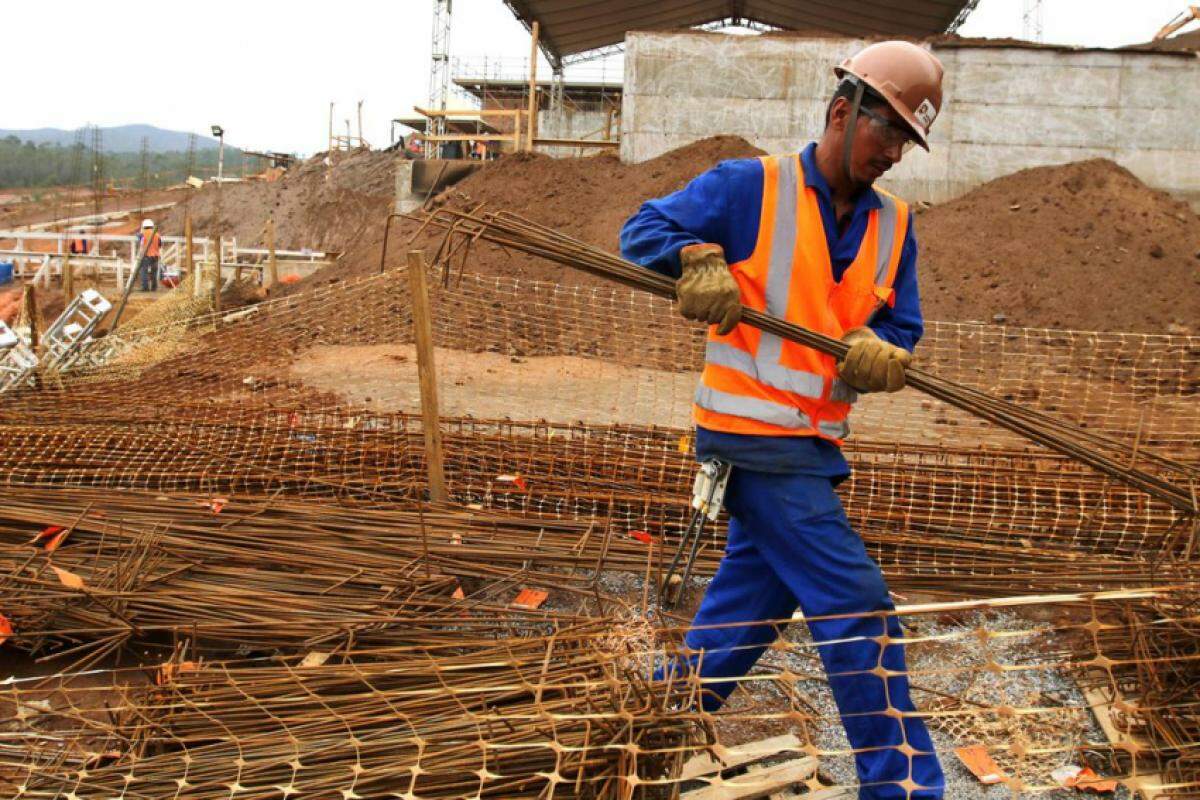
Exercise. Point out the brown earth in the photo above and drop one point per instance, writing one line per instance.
(1084, 245)
(316, 206)
(343, 207)
(79, 201)
(587, 198)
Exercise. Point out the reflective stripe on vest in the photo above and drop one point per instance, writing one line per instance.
(778, 414)
(765, 366)
(759, 357)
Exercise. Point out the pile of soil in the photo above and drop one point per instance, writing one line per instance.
(317, 205)
(342, 206)
(586, 198)
(1085, 245)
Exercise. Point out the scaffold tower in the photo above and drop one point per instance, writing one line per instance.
(439, 72)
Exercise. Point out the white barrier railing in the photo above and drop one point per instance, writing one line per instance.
(115, 253)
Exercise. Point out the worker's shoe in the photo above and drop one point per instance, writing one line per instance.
(707, 291)
(873, 365)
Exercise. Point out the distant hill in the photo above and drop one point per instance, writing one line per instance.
(118, 139)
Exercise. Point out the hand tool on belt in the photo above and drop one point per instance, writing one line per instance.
(708, 492)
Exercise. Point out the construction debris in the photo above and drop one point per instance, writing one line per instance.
(221, 575)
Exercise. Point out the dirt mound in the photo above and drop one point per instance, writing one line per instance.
(1084, 245)
(587, 198)
(316, 205)
(343, 206)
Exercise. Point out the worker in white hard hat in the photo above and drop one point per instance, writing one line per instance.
(807, 237)
(149, 244)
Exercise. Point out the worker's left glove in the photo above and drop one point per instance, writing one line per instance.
(707, 291)
(873, 365)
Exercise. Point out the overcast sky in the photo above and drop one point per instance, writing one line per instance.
(267, 70)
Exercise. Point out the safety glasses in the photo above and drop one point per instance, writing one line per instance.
(890, 133)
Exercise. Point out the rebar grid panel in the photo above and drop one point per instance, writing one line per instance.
(609, 354)
(960, 522)
(570, 713)
(108, 571)
(301, 393)
(1163, 478)
(579, 712)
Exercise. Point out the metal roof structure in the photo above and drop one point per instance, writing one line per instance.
(569, 29)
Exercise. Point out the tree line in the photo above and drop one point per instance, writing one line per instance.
(29, 165)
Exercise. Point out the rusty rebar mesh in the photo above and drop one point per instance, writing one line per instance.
(532, 350)
(114, 571)
(577, 710)
(310, 394)
(345, 581)
(298, 414)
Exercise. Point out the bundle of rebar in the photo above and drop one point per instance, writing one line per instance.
(574, 710)
(93, 571)
(1172, 482)
(571, 713)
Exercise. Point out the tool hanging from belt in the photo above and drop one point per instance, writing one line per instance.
(708, 492)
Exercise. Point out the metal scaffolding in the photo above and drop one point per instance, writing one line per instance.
(439, 71)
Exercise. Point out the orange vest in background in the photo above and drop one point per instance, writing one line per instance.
(155, 245)
(756, 383)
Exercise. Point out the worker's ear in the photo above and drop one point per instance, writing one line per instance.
(839, 112)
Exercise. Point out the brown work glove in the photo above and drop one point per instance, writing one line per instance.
(873, 365)
(707, 291)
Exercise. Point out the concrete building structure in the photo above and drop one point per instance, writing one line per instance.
(1009, 105)
(568, 109)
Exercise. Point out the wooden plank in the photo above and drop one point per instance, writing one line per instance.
(427, 376)
(471, 137)
(577, 143)
(730, 757)
(1148, 786)
(470, 112)
(756, 783)
(836, 793)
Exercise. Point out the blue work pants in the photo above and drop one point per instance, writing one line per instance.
(791, 545)
(149, 269)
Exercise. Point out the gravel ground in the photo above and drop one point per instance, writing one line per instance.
(955, 666)
(948, 656)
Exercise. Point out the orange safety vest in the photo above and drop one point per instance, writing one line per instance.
(755, 382)
(152, 249)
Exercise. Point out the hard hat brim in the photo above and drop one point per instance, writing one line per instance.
(906, 114)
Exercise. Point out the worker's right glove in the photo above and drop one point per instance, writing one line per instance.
(707, 291)
(873, 365)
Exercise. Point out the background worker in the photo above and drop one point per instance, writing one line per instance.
(78, 245)
(149, 237)
(807, 238)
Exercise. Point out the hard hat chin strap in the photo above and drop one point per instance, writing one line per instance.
(851, 123)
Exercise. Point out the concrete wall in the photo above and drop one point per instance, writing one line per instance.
(1008, 107)
(572, 123)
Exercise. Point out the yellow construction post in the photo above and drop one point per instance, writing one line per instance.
(272, 277)
(68, 275)
(215, 262)
(533, 49)
(427, 376)
(29, 313)
(188, 265)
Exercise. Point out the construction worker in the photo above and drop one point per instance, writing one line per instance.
(806, 237)
(78, 245)
(149, 239)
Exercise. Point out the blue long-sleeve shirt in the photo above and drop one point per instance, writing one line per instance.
(723, 206)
